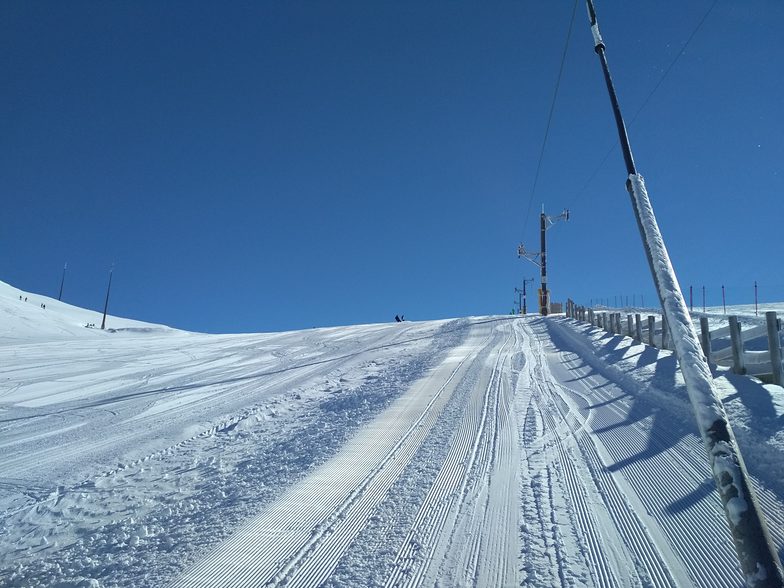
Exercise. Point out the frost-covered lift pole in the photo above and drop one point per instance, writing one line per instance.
(756, 553)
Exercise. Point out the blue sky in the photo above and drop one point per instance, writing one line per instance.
(260, 166)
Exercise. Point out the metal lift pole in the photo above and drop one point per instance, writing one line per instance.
(544, 302)
(756, 553)
(106, 304)
(62, 282)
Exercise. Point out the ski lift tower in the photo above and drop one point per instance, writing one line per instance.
(540, 259)
(522, 293)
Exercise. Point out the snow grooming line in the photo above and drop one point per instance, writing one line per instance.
(756, 554)
(450, 485)
(261, 556)
(209, 503)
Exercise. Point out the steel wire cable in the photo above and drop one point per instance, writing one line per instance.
(550, 117)
(664, 75)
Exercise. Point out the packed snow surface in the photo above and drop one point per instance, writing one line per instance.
(486, 451)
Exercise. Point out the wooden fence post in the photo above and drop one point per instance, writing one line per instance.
(706, 338)
(774, 344)
(651, 329)
(629, 325)
(738, 365)
(665, 332)
(618, 323)
(638, 327)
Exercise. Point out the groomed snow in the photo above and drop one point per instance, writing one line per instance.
(486, 451)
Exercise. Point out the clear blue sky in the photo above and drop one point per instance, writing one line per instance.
(255, 166)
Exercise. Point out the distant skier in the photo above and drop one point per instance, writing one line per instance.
(397, 319)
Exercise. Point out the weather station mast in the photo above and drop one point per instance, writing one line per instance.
(539, 259)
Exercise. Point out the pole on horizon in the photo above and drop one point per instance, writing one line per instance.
(756, 309)
(544, 301)
(723, 299)
(525, 304)
(62, 282)
(691, 300)
(703, 299)
(756, 553)
(106, 304)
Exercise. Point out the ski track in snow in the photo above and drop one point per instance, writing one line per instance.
(479, 452)
(240, 441)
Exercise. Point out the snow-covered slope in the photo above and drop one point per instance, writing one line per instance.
(23, 319)
(486, 451)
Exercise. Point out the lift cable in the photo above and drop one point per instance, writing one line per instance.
(614, 145)
(550, 117)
